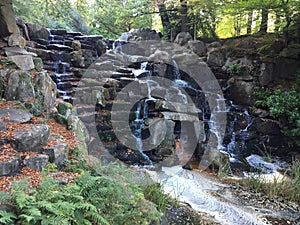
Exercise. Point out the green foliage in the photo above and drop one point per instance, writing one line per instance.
(284, 105)
(286, 188)
(121, 206)
(90, 200)
(111, 18)
(50, 204)
(154, 193)
(235, 69)
(50, 13)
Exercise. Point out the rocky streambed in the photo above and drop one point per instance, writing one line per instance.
(223, 202)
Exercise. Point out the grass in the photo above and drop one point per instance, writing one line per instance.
(287, 188)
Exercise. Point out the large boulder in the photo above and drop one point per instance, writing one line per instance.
(24, 62)
(19, 87)
(10, 167)
(37, 31)
(8, 23)
(31, 138)
(36, 162)
(15, 115)
(46, 90)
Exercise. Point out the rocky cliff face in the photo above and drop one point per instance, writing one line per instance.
(67, 65)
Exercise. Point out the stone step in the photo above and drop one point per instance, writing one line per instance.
(74, 34)
(88, 117)
(64, 85)
(58, 31)
(59, 47)
(57, 42)
(65, 77)
(85, 108)
(122, 115)
(41, 41)
(57, 37)
(122, 75)
(69, 99)
(62, 93)
(92, 38)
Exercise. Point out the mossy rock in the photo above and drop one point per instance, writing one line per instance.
(38, 64)
(65, 108)
(6, 63)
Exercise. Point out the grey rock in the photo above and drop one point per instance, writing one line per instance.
(42, 53)
(101, 47)
(24, 62)
(12, 51)
(16, 39)
(176, 107)
(183, 38)
(15, 115)
(11, 167)
(216, 58)
(37, 31)
(179, 116)
(57, 153)
(145, 34)
(31, 138)
(213, 45)
(65, 108)
(241, 92)
(36, 162)
(46, 90)
(7, 19)
(160, 57)
(198, 47)
(19, 87)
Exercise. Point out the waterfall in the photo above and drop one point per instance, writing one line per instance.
(214, 123)
(137, 126)
(176, 71)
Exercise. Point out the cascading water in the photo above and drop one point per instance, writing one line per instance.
(141, 112)
(137, 125)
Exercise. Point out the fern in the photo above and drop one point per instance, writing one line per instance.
(7, 217)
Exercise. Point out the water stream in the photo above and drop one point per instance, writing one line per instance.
(207, 195)
(201, 192)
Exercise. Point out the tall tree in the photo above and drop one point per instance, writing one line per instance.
(184, 15)
(165, 20)
(264, 20)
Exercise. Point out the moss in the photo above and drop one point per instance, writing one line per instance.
(8, 64)
(65, 108)
(38, 63)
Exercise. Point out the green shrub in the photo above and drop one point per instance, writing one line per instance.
(285, 106)
(49, 204)
(154, 193)
(90, 200)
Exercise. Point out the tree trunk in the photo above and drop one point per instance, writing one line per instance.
(184, 17)
(237, 25)
(165, 20)
(8, 23)
(277, 20)
(264, 20)
(249, 22)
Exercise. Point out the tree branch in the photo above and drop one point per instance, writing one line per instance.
(154, 12)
